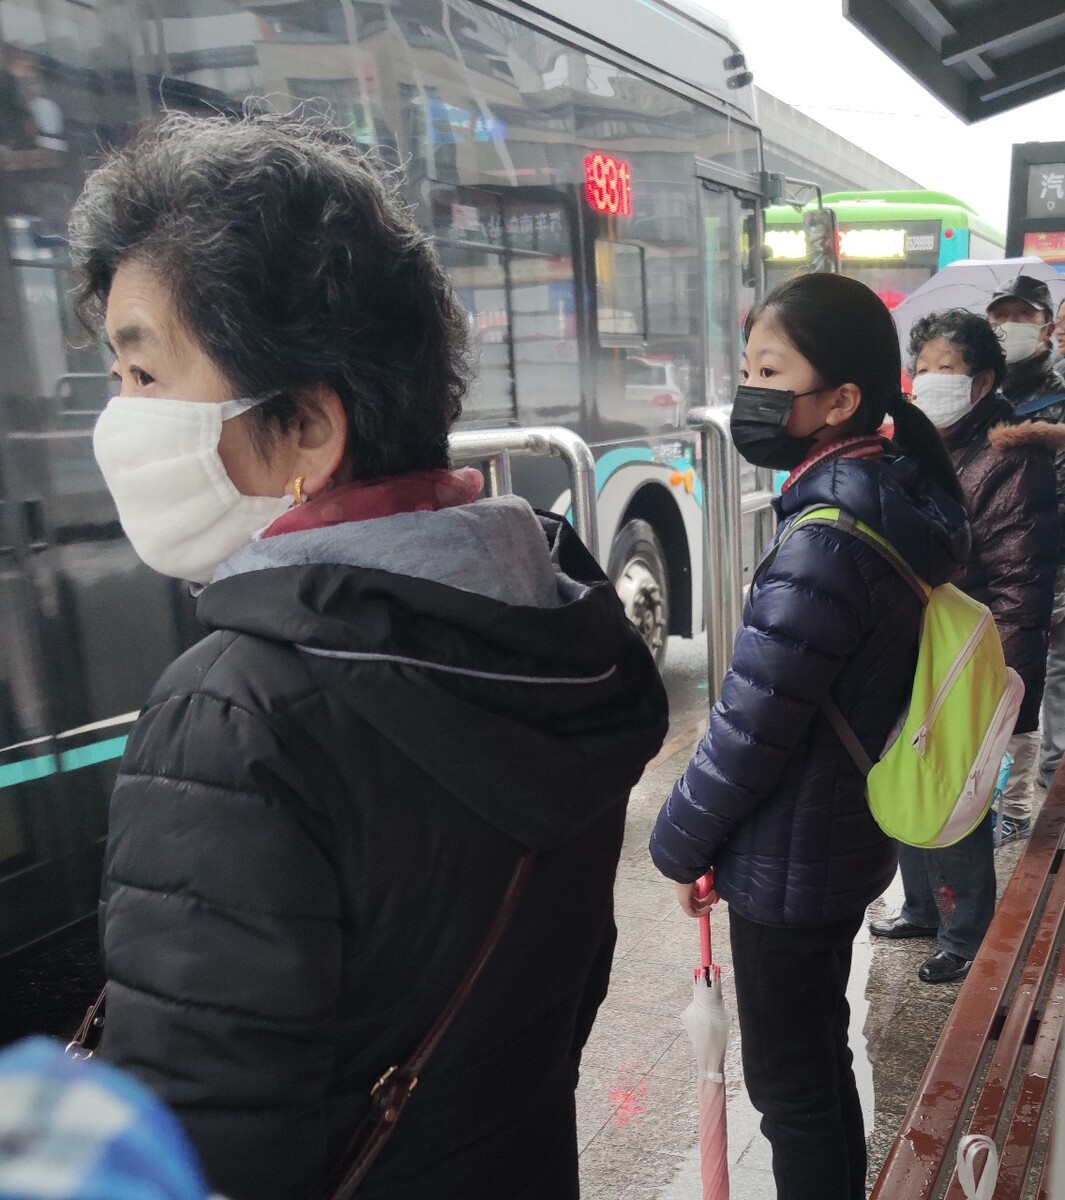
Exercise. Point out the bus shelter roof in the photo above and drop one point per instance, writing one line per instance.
(979, 59)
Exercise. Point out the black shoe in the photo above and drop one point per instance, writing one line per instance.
(899, 927)
(944, 967)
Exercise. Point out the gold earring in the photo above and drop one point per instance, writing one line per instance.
(297, 490)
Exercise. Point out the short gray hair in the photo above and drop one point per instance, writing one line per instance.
(292, 261)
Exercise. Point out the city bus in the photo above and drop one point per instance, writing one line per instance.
(892, 241)
(592, 174)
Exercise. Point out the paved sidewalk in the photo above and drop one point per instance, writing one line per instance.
(636, 1106)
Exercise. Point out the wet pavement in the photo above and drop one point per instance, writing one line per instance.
(636, 1104)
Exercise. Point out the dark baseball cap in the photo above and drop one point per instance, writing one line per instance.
(1033, 292)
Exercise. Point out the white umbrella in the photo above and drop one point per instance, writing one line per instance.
(970, 283)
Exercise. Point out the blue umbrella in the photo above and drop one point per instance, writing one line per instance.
(83, 1130)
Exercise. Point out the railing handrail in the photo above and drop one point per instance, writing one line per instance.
(494, 447)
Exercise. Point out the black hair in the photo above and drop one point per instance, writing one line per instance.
(845, 332)
(973, 335)
(292, 261)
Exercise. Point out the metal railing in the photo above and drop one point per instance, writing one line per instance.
(493, 448)
(724, 508)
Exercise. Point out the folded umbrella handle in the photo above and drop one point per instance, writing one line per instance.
(702, 888)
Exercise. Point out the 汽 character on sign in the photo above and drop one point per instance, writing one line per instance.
(1052, 181)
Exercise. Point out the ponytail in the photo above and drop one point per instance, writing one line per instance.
(916, 436)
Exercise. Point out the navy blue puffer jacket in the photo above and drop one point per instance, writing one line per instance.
(772, 800)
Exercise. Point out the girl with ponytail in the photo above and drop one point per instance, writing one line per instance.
(772, 802)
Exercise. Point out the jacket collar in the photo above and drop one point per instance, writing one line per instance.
(993, 409)
(1030, 377)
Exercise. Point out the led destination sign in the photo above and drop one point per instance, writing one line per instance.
(608, 184)
(915, 242)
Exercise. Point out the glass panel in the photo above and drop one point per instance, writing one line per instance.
(469, 229)
(543, 308)
(619, 290)
(722, 329)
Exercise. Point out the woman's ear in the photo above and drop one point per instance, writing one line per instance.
(846, 400)
(983, 382)
(322, 441)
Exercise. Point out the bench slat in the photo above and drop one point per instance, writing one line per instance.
(989, 1115)
(918, 1156)
(1024, 1128)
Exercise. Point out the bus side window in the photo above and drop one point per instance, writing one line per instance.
(621, 293)
(468, 223)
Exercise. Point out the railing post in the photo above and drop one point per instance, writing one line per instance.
(493, 448)
(722, 557)
(723, 511)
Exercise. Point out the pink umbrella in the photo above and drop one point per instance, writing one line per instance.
(707, 1021)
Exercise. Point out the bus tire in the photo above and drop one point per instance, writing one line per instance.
(637, 569)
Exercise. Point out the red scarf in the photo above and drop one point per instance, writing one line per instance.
(416, 491)
(867, 446)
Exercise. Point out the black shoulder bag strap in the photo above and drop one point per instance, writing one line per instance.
(848, 524)
(390, 1093)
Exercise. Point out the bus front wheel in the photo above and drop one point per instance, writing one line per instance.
(637, 569)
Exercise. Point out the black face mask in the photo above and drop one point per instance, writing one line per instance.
(759, 427)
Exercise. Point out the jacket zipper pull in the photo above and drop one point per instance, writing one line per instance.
(919, 739)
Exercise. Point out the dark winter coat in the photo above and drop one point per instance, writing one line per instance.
(313, 826)
(1027, 382)
(772, 801)
(1007, 474)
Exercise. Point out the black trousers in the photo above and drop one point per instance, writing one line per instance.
(791, 997)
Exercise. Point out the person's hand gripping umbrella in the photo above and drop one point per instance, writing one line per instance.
(707, 1021)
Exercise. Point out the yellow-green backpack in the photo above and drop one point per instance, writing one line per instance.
(934, 779)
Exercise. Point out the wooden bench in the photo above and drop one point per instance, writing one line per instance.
(992, 1069)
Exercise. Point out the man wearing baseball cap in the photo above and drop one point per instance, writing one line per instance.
(1023, 313)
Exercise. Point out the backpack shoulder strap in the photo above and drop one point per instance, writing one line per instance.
(836, 518)
(1038, 404)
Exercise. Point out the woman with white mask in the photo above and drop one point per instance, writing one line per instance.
(1006, 473)
(415, 717)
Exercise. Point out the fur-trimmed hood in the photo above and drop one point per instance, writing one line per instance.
(1031, 433)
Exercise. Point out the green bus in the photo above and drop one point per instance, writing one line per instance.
(892, 241)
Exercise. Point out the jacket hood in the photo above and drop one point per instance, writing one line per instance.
(1031, 433)
(533, 701)
(923, 524)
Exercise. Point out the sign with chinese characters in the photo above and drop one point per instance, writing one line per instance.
(1046, 190)
(608, 184)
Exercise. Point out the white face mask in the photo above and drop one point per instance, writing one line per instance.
(176, 503)
(1020, 340)
(944, 399)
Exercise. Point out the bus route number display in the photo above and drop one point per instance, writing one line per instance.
(608, 184)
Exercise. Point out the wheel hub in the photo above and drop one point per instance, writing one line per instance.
(641, 597)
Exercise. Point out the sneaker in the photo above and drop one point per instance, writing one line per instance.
(1011, 830)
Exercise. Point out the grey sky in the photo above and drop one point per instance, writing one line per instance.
(806, 53)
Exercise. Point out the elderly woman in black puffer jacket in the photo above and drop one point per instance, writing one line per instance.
(401, 691)
(772, 800)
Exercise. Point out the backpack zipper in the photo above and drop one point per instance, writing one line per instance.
(962, 657)
(995, 728)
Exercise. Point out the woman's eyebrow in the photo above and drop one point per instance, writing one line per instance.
(129, 336)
